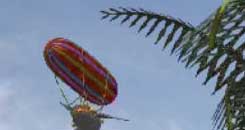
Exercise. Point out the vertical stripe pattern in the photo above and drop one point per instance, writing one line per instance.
(81, 71)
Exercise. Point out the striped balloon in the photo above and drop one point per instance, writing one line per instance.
(79, 70)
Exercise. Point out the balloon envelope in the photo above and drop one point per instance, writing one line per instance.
(80, 71)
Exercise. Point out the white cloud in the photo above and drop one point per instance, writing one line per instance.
(4, 126)
(5, 93)
(153, 125)
(173, 125)
(22, 110)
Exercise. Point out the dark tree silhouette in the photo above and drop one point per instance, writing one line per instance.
(216, 45)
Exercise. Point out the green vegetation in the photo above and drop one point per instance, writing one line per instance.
(216, 45)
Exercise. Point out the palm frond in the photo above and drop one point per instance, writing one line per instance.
(216, 23)
(231, 110)
(146, 17)
(239, 3)
(229, 48)
(232, 45)
(225, 60)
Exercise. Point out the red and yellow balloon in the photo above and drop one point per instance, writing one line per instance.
(80, 71)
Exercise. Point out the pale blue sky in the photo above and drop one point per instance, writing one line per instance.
(155, 92)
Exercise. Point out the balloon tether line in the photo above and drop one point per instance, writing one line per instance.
(62, 91)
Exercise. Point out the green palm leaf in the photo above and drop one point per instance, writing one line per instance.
(146, 17)
(224, 60)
